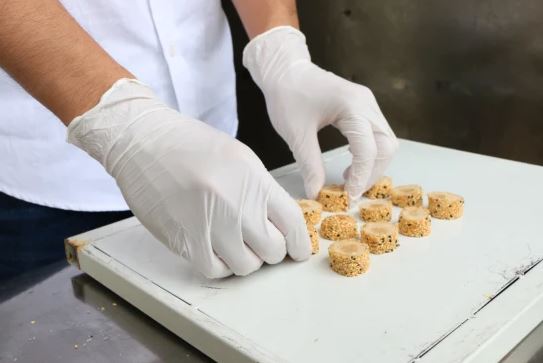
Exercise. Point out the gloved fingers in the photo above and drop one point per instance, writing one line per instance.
(228, 244)
(380, 124)
(362, 146)
(286, 215)
(199, 252)
(347, 172)
(307, 153)
(386, 148)
(193, 245)
(238, 257)
(263, 237)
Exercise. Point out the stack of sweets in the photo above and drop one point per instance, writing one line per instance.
(376, 211)
(443, 205)
(406, 195)
(415, 222)
(333, 198)
(381, 189)
(381, 237)
(339, 227)
(312, 214)
(349, 257)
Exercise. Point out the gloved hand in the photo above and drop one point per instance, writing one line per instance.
(302, 98)
(202, 193)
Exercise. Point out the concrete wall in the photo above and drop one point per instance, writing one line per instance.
(463, 74)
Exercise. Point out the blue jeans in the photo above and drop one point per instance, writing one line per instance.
(32, 235)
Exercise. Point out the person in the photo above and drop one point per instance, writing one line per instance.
(147, 92)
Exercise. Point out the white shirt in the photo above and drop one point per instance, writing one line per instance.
(182, 49)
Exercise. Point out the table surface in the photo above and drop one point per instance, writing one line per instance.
(46, 313)
(60, 314)
(64, 317)
(439, 297)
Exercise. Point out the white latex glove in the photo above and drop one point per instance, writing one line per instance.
(202, 193)
(302, 98)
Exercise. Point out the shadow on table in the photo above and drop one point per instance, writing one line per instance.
(12, 287)
(166, 345)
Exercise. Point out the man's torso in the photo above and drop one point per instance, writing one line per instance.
(182, 49)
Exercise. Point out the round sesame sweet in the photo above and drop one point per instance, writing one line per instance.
(338, 227)
(333, 198)
(406, 196)
(381, 189)
(311, 209)
(313, 235)
(349, 257)
(381, 237)
(376, 211)
(415, 222)
(444, 205)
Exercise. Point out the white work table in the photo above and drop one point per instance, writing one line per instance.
(468, 292)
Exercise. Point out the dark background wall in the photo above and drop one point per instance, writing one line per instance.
(463, 74)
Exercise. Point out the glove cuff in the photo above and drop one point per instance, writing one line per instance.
(270, 54)
(96, 130)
